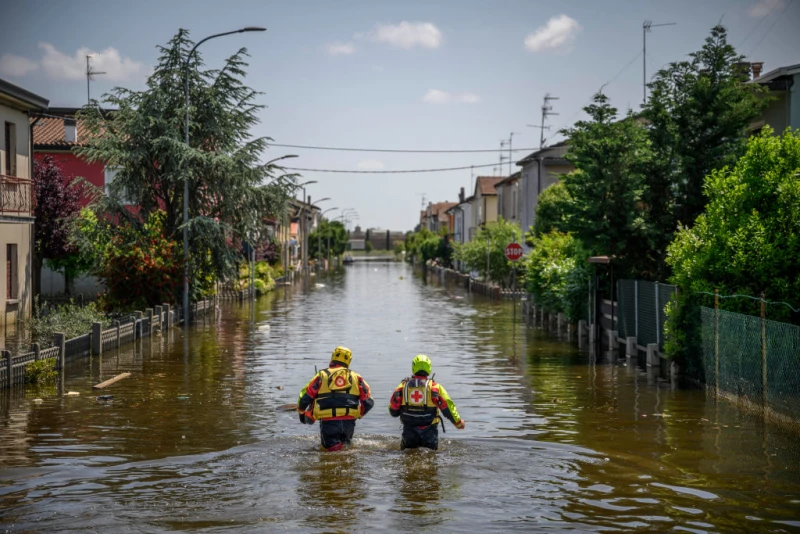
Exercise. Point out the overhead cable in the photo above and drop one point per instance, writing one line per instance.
(410, 151)
(346, 171)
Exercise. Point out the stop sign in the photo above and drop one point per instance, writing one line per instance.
(514, 251)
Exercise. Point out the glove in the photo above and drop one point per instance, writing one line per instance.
(461, 424)
(302, 417)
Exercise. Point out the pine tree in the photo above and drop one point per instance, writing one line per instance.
(230, 189)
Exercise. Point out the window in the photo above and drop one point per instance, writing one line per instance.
(11, 149)
(109, 175)
(12, 280)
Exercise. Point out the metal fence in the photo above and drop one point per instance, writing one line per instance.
(641, 309)
(754, 360)
(125, 330)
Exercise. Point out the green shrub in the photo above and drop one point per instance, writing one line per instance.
(69, 319)
(41, 372)
(557, 274)
(747, 241)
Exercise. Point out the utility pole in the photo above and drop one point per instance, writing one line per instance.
(547, 111)
(646, 25)
(90, 74)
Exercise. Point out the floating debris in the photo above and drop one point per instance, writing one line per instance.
(279, 387)
(319, 285)
(287, 407)
(37, 401)
(263, 328)
(104, 397)
(72, 394)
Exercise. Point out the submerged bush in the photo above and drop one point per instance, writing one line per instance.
(69, 319)
(41, 372)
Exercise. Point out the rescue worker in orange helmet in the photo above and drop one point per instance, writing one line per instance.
(337, 397)
(417, 401)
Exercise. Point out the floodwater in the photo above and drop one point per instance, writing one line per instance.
(195, 439)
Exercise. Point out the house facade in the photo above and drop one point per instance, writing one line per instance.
(437, 217)
(539, 171)
(783, 109)
(484, 203)
(16, 201)
(56, 135)
(508, 198)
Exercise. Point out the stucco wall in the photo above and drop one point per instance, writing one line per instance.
(74, 167)
(20, 120)
(18, 234)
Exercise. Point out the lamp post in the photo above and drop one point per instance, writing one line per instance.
(304, 225)
(186, 178)
(319, 243)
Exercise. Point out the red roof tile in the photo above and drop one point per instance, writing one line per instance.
(49, 133)
(485, 184)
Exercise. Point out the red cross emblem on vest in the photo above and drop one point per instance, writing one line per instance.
(417, 396)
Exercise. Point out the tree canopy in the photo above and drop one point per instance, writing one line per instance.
(230, 189)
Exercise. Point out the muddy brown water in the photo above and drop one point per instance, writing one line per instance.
(198, 437)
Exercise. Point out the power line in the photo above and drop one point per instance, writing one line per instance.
(345, 171)
(411, 151)
(778, 17)
(612, 80)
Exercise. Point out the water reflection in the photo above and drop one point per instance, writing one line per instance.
(554, 439)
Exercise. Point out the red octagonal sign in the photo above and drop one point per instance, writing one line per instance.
(514, 251)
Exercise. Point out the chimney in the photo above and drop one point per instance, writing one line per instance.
(756, 66)
(461, 196)
(70, 130)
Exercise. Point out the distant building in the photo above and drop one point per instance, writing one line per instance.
(508, 198)
(437, 217)
(379, 238)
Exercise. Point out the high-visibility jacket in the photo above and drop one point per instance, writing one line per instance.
(335, 393)
(418, 401)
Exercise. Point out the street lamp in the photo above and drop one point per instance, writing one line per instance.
(186, 179)
(304, 225)
(319, 244)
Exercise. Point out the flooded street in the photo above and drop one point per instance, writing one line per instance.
(195, 438)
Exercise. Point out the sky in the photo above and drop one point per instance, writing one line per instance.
(429, 75)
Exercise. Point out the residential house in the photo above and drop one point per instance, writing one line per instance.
(437, 218)
(16, 201)
(540, 170)
(484, 203)
(462, 219)
(508, 198)
(56, 134)
(784, 88)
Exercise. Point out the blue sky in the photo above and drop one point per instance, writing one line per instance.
(400, 74)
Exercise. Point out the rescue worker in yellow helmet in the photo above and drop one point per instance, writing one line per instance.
(337, 397)
(418, 401)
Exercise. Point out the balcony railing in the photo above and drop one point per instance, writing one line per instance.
(16, 196)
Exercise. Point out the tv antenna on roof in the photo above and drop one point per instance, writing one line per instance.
(90, 74)
(547, 110)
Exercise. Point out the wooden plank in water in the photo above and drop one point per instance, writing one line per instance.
(110, 381)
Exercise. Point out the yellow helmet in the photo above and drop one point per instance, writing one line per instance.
(342, 355)
(421, 363)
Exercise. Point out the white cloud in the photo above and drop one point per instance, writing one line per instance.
(468, 98)
(765, 7)
(59, 65)
(340, 49)
(558, 31)
(16, 66)
(435, 96)
(407, 34)
(370, 165)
